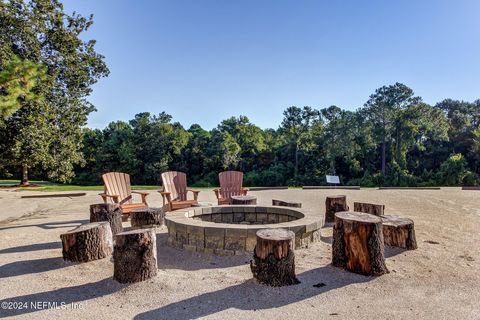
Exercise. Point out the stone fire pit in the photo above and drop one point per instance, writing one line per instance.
(229, 230)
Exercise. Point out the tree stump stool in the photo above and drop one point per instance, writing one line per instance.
(147, 217)
(334, 204)
(244, 200)
(358, 243)
(399, 232)
(286, 203)
(135, 256)
(91, 241)
(110, 212)
(375, 209)
(273, 261)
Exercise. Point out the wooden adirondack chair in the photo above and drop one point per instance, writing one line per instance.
(118, 189)
(230, 185)
(175, 190)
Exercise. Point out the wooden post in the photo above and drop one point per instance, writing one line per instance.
(399, 232)
(285, 203)
(110, 212)
(273, 261)
(375, 209)
(358, 243)
(147, 217)
(91, 241)
(334, 204)
(135, 256)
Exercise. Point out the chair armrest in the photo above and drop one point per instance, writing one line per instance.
(113, 196)
(195, 193)
(166, 195)
(217, 193)
(244, 191)
(143, 194)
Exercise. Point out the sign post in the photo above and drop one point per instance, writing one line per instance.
(335, 180)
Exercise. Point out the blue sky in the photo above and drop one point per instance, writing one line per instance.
(203, 61)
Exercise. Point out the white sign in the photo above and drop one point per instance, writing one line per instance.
(333, 179)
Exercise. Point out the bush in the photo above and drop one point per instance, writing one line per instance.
(453, 170)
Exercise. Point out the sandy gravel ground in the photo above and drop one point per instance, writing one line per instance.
(440, 280)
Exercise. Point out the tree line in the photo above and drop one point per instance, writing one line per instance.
(395, 139)
(47, 70)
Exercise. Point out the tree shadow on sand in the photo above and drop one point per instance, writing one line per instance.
(171, 258)
(66, 295)
(252, 296)
(33, 247)
(49, 225)
(23, 267)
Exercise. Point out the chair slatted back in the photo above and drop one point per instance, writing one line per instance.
(231, 183)
(118, 183)
(175, 182)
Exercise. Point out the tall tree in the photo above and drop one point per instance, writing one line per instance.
(47, 133)
(384, 109)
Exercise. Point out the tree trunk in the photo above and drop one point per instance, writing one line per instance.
(358, 243)
(110, 212)
(273, 261)
(296, 162)
(334, 204)
(286, 203)
(24, 181)
(375, 209)
(135, 256)
(384, 155)
(91, 241)
(399, 232)
(147, 217)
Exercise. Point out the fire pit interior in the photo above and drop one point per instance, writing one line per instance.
(229, 230)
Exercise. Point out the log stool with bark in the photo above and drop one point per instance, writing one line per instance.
(147, 217)
(358, 243)
(286, 203)
(247, 200)
(110, 212)
(375, 209)
(399, 232)
(334, 204)
(91, 241)
(135, 256)
(273, 261)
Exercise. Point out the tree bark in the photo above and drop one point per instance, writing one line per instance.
(110, 212)
(358, 243)
(91, 241)
(399, 232)
(285, 203)
(135, 256)
(247, 200)
(334, 204)
(24, 181)
(273, 261)
(384, 156)
(375, 209)
(147, 217)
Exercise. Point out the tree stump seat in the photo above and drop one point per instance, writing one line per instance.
(88, 242)
(358, 243)
(135, 256)
(147, 217)
(286, 203)
(334, 204)
(375, 209)
(273, 261)
(110, 212)
(247, 200)
(399, 232)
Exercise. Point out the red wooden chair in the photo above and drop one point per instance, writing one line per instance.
(117, 188)
(175, 190)
(230, 185)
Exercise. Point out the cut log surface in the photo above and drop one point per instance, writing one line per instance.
(248, 200)
(135, 256)
(110, 212)
(286, 203)
(358, 243)
(273, 261)
(375, 209)
(399, 232)
(147, 217)
(91, 241)
(334, 204)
